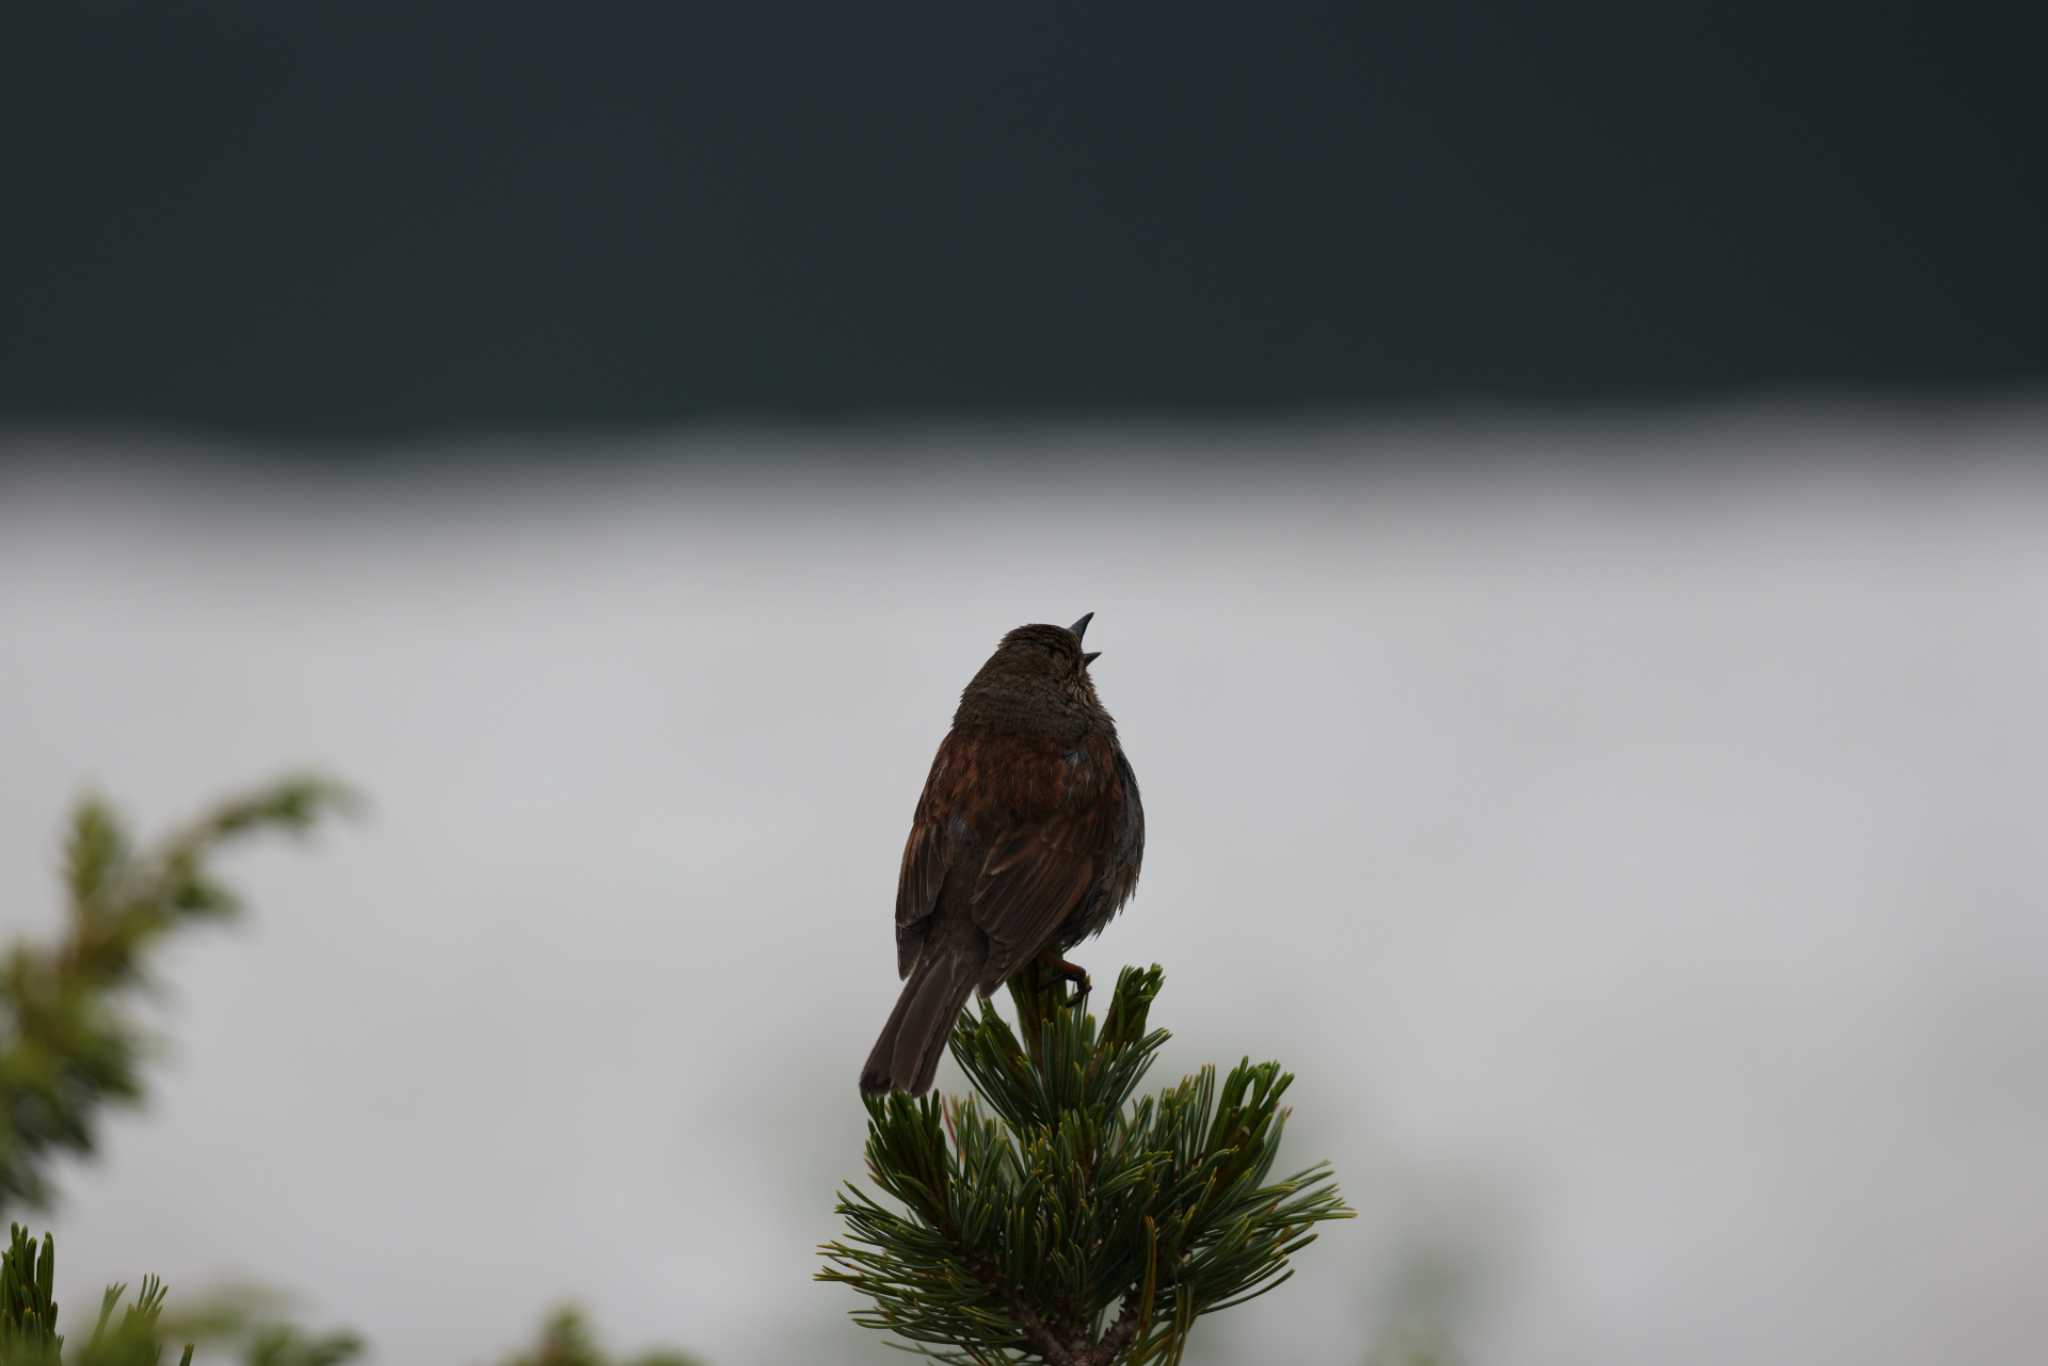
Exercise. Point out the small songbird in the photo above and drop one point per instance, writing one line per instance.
(1026, 841)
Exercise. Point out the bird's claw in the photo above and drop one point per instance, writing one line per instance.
(1077, 976)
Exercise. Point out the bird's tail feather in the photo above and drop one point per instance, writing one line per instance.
(906, 1057)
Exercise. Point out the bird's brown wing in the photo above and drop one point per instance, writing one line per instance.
(1030, 881)
(928, 852)
(1019, 829)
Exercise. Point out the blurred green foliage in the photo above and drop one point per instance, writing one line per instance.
(565, 1340)
(68, 1042)
(69, 1046)
(138, 1333)
(28, 1314)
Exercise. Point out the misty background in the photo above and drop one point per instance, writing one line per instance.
(1564, 503)
(1639, 868)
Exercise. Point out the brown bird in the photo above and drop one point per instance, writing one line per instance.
(1026, 841)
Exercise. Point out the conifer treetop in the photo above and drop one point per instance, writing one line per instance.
(1050, 1216)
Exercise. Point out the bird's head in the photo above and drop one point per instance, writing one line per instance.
(1037, 679)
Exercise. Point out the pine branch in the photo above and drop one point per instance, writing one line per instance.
(67, 1044)
(1032, 1210)
(68, 1047)
(137, 1333)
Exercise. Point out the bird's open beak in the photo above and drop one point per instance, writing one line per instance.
(1080, 629)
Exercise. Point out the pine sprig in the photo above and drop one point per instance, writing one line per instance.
(67, 1044)
(1050, 1217)
(28, 1314)
(136, 1331)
